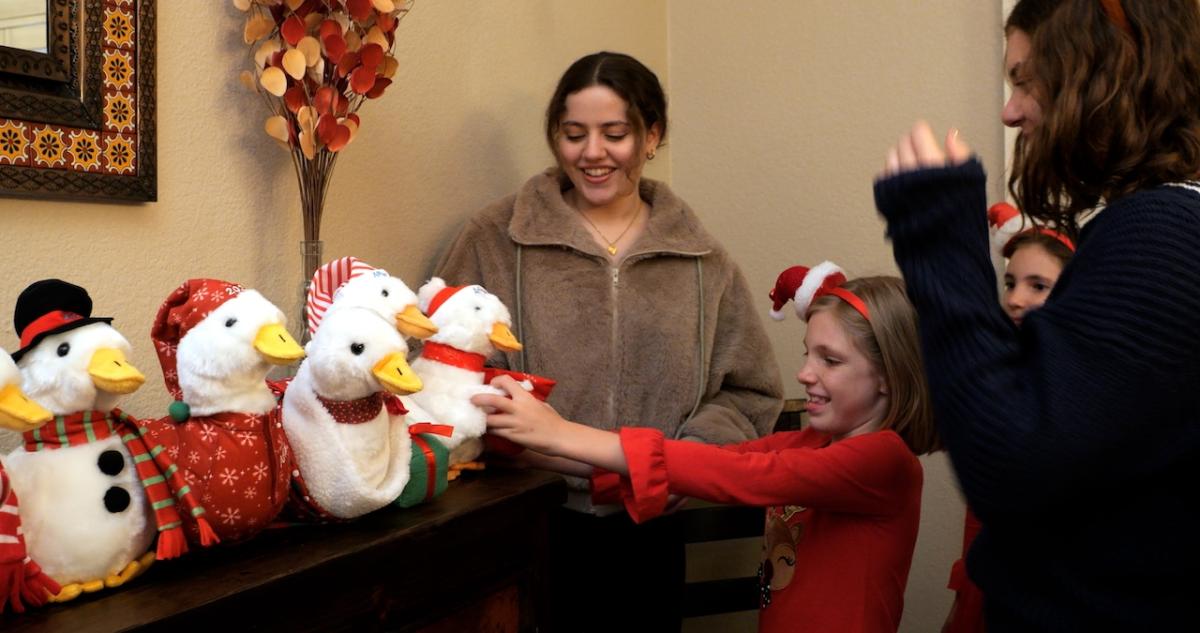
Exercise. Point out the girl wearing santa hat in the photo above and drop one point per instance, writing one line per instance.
(1035, 257)
(843, 496)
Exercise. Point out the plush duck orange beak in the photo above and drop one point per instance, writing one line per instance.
(277, 346)
(18, 412)
(411, 322)
(396, 376)
(112, 373)
(503, 338)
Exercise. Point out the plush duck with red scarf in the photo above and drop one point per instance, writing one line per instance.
(216, 342)
(94, 492)
(348, 432)
(22, 582)
(471, 323)
(350, 282)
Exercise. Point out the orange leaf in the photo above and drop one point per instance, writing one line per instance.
(325, 128)
(371, 55)
(295, 98)
(274, 81)
(342, 105)
(247, 79)
(341, 137)
(311, 48)
(330, 28)
(294, 63)
(307, 146)
(354, 117)
(384, 6)
(387, 22)
(292, 30)
(362, 80)
(390, 65)
(360, 10)
(381, 84)
(323, 100)
(258, 26)
(347, 63)
(277, 128)
(335, 46)
(264, 51)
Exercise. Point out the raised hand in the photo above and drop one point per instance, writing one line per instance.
(919, 149)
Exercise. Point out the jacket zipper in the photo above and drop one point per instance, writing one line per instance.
(612, 393)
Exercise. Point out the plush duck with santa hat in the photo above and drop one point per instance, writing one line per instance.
(94, 491)
(471, 323)
(350, 282)
(216, 341)
(346, 428)
(22, 582)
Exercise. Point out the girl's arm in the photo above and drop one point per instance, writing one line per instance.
(535, 425)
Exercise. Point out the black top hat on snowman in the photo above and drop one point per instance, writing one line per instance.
(48, 307)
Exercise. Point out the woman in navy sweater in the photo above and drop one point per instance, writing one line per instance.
(1076, 436)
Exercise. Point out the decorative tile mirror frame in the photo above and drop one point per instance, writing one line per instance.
(78, 121)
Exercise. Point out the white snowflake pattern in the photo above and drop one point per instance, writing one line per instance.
(260, 471)
(250, 492)
(229, 477)
(173, 451)
(193, 456)
(220, 453)
(230, 516)
(245, 438)
(208, 433)
(201, 294)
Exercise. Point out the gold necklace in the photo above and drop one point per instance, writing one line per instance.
(612, 244)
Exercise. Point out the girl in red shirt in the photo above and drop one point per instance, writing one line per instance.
(843, 495)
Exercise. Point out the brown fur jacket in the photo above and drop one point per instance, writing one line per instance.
(622, 341)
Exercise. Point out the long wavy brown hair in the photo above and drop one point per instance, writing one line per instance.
(1120, 109)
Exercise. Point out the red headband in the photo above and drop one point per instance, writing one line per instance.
(1011, 245)
(848, 297)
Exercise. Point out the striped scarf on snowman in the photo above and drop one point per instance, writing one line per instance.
(157, 472)
(21, 580)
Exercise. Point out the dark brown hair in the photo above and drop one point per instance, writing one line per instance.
(1120, 110)
(891, 342)
(637, 85)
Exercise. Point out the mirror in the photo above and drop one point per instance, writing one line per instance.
(77, 113)
(23, 24)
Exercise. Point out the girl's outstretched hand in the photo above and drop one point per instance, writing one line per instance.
(520, 417)
(919, 149)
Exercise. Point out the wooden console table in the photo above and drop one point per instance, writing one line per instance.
(472, 560)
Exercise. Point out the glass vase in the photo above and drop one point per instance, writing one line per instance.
(310, 259)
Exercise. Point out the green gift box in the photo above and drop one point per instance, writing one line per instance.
(430, 459)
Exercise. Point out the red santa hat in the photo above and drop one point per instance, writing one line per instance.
(186, 307)
(802, 285)
(434, 293)
(327, 280)
(1007, 224)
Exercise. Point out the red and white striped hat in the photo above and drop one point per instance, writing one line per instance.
(1006, 224)
(325, 283)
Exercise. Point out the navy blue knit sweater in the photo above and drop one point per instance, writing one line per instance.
(1076, 438)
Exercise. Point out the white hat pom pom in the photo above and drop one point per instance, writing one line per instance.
(812, 283)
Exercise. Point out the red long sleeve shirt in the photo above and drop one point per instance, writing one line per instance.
(842, 517)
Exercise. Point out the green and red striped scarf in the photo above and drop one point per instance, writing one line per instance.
(156, 470)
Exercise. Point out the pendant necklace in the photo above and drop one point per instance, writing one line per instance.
(612, 244)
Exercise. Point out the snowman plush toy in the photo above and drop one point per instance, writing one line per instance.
(94, 492)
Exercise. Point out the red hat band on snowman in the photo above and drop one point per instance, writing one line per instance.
(804, 285)
(441, 297)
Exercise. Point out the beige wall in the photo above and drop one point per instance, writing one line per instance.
(781, 114)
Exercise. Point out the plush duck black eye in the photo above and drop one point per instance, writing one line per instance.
(230, 321)
(384, 292)
(478, 308)
(357, 348)
(64, 349)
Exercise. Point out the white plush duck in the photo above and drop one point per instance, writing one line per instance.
(22, 582)
(216, 342)
(471, 323)
(87, 506)
(350, 282)
(349, 436)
